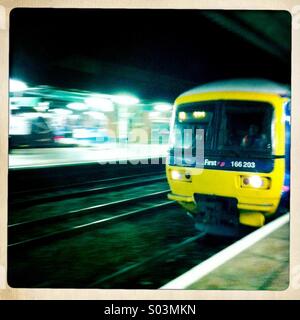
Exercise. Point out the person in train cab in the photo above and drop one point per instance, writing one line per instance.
(253, 138)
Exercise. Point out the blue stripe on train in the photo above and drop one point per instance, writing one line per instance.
(221, 163)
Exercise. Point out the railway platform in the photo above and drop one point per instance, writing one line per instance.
(260, 261)
(102, 153)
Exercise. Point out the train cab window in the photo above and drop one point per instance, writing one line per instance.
(246, 127)
(189, 118)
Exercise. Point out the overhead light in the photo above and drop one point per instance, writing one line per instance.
(100, 103)
(30, 115)
(17, 85)
(74, 116)
(154, 114)
(125, 100)
(42, 106)
(96, 115)
(78, 106)
(163, 107)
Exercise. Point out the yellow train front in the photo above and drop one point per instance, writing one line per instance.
(228, 161)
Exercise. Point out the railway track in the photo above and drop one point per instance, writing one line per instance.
(75, 221)
(154, 267)
(95, 231)
(155, 258)
(44, 233)
(26, 198)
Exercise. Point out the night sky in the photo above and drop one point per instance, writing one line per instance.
(151, 53)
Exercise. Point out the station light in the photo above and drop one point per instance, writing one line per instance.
(42, 106)
(61, 111)
(17, 85)
(74, 116)
(163, 107)
(154, 114)
(125, 100)
(100, 103)
(96, 115)
(78, 106)
(30, 115)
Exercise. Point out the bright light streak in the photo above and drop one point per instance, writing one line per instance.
(154, 114)
(42, 106)
(100, 103)
(78, 106)
(61, 111)
(163, 107)
(125, 100)
(30, 115)
(74, 116)
(17, 85)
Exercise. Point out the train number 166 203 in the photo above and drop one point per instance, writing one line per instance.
(242, 164)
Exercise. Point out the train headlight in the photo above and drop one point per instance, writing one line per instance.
(181, 175)
(176, 175)
(256, 182)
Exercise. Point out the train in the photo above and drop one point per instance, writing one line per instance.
(29, 128)
(228, 161)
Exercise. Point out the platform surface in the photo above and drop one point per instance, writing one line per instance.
(263, 266)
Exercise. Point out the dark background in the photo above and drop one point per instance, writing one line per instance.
(154, 54)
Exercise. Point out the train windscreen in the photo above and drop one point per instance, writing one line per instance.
(239, 128)
(245, 127)
(191, 123)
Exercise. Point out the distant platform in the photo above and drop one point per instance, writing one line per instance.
(261, 266)
(49, 157)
